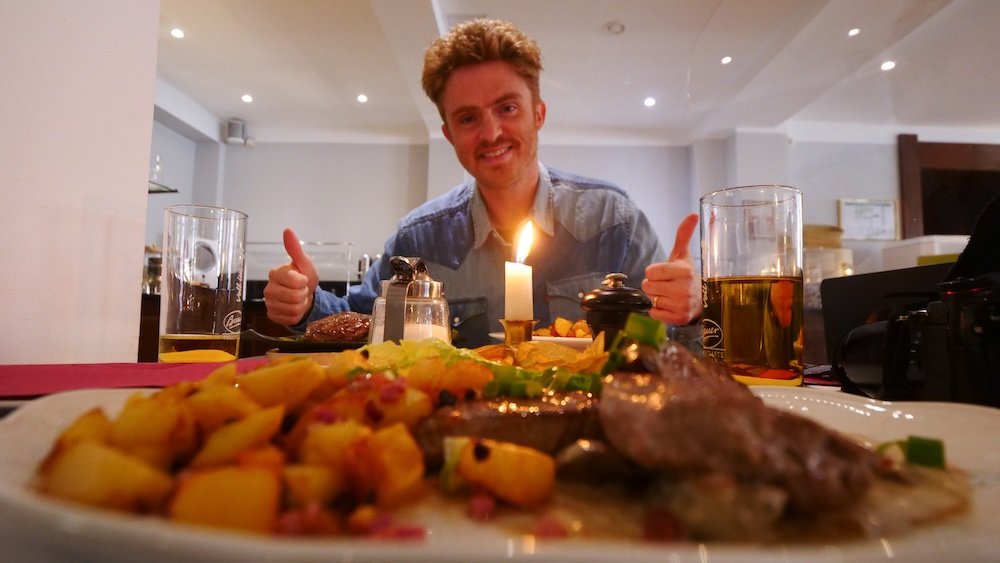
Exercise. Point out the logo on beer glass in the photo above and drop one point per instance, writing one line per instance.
(233, 320)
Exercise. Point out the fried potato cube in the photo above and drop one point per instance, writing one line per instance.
(517, 474)
(268, 455)
(465, 375)
(426, 374)
(224, 444)
(410, 408)
(397, 463)
(305, 484)
(224, 375)
(238, 498)
(561, 327)
(580, 329)
(285, 383)
(380, 403)
(328, 444)
(93, 426)
(338, 371)
(97, 474)
(157, 429)
(216, 405)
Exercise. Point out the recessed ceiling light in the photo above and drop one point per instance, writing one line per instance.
(247, 98)
(649, 102)
(177, 32)
(853, 32)
(726, 60)
(888, 65)
(362, 98)
(614, 27)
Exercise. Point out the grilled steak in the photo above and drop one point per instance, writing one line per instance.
(691, 418)
(548, 424)
(340, 327)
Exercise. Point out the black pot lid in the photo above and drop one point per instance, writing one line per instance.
(614, 295)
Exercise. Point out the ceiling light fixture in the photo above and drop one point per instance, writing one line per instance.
(177, 32)
(726, 60)
(614, 27)
(853, 32)
(247, 98)
(888, 65)
(362, 98)
(649, 102)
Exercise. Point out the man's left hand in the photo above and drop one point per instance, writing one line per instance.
(674, 286)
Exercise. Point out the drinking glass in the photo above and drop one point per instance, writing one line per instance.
(751, 257)
(201, 297)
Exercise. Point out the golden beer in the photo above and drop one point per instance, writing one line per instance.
(753, 325)
(199, 347)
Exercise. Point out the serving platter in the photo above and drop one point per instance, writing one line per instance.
(293, 344)
(576, 343)
(37, 528)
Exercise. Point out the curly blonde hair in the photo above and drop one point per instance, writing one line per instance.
(479, 41)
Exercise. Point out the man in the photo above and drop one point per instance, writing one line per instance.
(483, 78)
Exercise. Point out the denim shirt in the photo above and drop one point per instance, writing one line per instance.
(584, 229)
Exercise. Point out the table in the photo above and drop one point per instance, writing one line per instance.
(19, 383)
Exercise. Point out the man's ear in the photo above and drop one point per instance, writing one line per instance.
(540, 114)
(447, 132)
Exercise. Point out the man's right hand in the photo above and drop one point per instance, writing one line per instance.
(288, 294)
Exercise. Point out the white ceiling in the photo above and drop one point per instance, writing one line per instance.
(305, 62)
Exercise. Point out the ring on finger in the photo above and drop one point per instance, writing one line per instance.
(655, 299)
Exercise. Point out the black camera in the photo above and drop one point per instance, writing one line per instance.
(948, 350)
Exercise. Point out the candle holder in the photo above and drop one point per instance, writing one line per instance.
(516, 332)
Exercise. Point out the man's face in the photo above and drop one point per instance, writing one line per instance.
(492, 121)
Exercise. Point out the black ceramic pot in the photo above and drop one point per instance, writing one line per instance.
(608, 306)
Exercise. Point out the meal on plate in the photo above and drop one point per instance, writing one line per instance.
(565, 328)
(339, 327)
(643, 442)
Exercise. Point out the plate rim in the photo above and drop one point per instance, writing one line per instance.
(89, 529)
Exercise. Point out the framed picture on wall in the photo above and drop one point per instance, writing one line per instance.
(868, 219)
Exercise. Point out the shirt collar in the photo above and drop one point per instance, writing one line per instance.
(542, 211)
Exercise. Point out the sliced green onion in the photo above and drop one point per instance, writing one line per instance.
(449, 478)
(918, 450)
(645, 330)
(928, 452)
(492, 389)
(526, 388)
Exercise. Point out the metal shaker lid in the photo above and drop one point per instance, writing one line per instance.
(413, 272)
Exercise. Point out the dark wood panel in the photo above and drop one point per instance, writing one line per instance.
(149, 328)
(917, 157)
(911, 200)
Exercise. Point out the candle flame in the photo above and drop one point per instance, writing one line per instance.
(524, 240)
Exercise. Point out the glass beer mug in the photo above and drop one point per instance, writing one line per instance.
(751, 258)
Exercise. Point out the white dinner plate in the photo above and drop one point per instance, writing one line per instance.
(39, 529)
(577, 343)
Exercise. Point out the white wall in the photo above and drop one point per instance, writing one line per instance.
(76, 108)
(327, 192)
(758, 158)
(656, 177)
(177, 161)
(443, 169)
(827, 172)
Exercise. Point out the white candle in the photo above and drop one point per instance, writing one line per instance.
(517, 281)
(517, 292)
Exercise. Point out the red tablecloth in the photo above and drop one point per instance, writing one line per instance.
(33, 380)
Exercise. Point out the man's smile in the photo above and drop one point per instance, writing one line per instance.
(495, 152)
